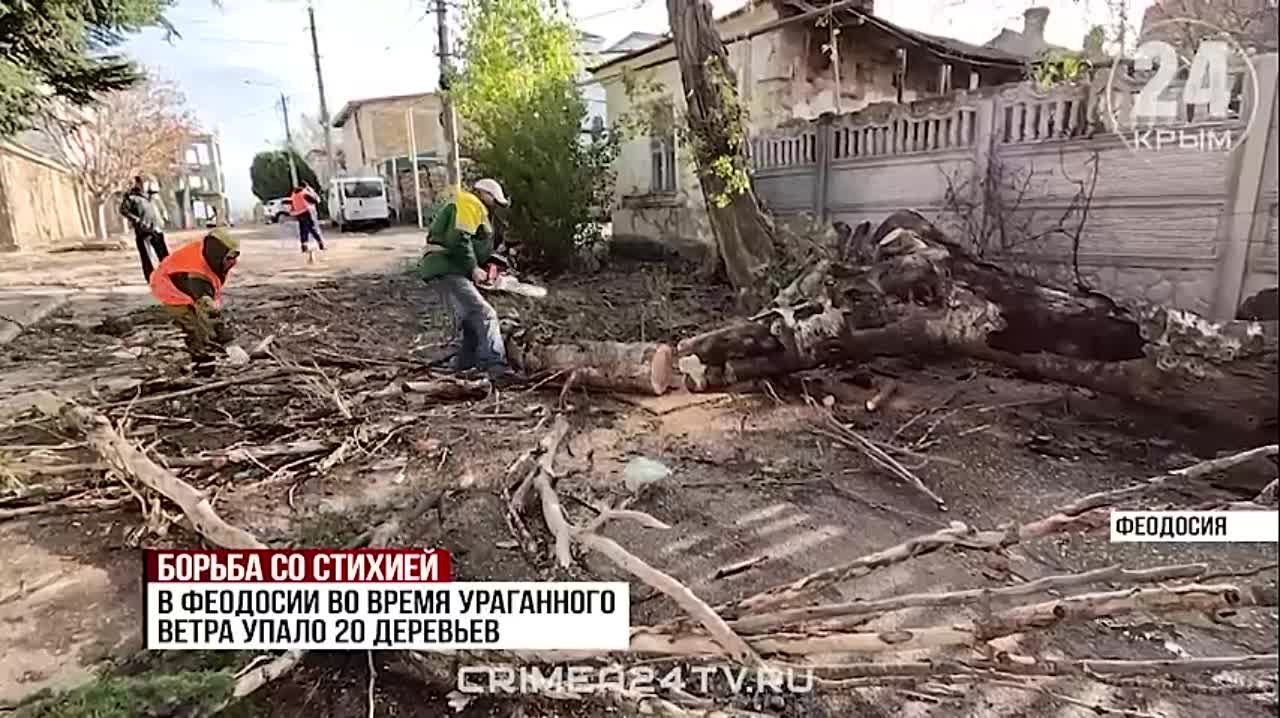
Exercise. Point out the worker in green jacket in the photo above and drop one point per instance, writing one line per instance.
(459, 241)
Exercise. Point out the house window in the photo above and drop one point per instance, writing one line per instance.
(944, 79)
(662, 150)
(196, 182)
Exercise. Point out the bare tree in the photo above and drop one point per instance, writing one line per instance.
(139, 131)
(1252, 23)
(990, 216)
(717, 127)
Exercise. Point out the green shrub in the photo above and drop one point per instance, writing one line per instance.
(151, 696)
(523, 116)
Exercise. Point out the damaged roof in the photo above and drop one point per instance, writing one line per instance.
(945, 47)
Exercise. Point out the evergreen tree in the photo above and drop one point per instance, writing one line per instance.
(62, 49)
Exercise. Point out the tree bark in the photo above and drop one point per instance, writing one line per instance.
(640, 367)
(922, 295)
(100, 219)
(744, 233)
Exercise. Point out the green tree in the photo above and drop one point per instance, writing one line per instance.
(62, 49)
(1094, 44)
(269, 175)
(523, 116)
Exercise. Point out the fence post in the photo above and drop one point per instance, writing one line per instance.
(822, 166)
(985, 124)
(1240, 218)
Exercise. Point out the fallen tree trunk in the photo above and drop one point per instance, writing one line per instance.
(644, 368)
(923, 295)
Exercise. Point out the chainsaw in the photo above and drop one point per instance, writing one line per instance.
(500, 278)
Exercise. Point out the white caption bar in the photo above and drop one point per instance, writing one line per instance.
(383, 616)
(1195, 526)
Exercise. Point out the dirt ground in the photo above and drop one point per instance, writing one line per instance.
(749, 481)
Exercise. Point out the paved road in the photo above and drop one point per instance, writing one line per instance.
(94, 281)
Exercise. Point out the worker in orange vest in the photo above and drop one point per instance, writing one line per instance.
(189, 284)
(302, 206)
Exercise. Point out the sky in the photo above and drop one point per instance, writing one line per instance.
(234, 61)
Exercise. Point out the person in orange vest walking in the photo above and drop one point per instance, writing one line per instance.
(189, 284)
(302, 206)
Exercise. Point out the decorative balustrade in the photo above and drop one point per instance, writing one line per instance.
(795, 146)
(892, 130)
(1024, 113)
(1020, 114)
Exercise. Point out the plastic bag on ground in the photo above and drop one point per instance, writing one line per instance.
(641, 472)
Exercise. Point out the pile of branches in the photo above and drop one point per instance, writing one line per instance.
(905, 289)
(275, 421)
(788, 625)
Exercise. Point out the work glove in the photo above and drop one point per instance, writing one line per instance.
(220, 331)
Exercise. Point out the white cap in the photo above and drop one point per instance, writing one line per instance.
(493, 189)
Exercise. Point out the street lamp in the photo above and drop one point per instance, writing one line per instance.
(288, 136)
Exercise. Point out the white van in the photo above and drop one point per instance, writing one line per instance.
(359, 202)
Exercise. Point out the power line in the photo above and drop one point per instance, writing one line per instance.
(238, 41)
(631, 7)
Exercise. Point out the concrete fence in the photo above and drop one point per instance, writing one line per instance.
(41, 204)
(1185, 215)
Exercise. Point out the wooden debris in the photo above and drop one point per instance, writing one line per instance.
(923, 296)
(854, 440)
(862, 611)
(72, 505)
(734, 569)
(449, 388)
(1090, 512)
(553, 514)
(116, 450)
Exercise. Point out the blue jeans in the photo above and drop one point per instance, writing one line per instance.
(307, 229)
(476, 321)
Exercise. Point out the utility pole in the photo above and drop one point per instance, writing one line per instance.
(413, 150)
(324, 105)
(448, 118)
(288, 140)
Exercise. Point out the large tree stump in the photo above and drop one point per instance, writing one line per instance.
(644, 368)
(923, 295)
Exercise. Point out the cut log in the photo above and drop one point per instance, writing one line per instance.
(923, 295)
(645, 368)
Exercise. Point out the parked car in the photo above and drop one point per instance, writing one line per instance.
(359, 201)
(276, 210)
